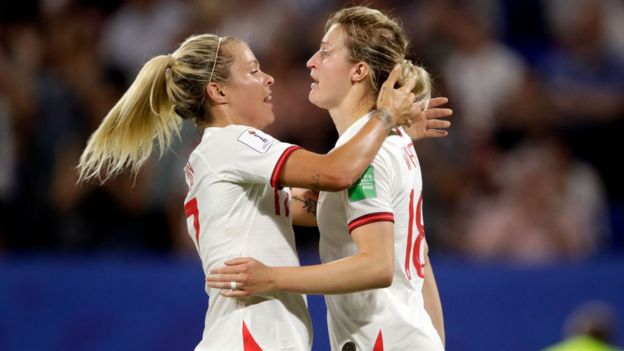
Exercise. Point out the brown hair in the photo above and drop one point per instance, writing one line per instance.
(167, 88)
(378, 40)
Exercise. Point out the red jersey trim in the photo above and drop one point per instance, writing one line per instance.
(379, 343)
(371, 218)
(280, 164)
(249, 343)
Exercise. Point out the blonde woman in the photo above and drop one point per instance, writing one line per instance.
(372, 234)
(236, 204)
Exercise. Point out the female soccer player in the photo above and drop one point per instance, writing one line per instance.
(372, 234)
(236, 204)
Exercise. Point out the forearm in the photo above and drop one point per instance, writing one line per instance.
(303, 207)
(433, 304)
(352, 158)
(355, 273)
(341, 167)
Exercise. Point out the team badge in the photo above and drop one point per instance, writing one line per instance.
(364, 188)
(256, 140)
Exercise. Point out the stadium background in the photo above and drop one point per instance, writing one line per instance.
(524, 202)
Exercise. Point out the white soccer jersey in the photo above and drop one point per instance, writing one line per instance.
(393, 318)
(234, 208)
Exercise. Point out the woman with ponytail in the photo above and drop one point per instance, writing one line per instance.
(372, 234)
(237, 202)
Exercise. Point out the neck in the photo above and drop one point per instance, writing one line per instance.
(352, 107)
(220, 117)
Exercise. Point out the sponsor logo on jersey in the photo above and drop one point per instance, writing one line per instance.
(256, 140)
(364, 188)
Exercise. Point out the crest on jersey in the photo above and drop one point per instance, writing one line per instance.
(364, 188)
(256, 140)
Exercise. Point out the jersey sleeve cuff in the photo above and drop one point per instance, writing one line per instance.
(370, 218)
(280, 164)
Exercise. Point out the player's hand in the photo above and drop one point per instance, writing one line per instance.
(252, 277)
(428, 123)
(398, 102)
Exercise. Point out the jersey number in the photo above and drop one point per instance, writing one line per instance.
(417, 254)
(190, 209)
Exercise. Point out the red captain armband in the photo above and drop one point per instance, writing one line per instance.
(371, 218)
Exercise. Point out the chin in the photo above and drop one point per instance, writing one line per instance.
(265, 122)
(314, 101)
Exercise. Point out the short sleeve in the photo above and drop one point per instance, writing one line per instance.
(369, 199)
(250, 156)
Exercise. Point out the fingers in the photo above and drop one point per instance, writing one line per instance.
(438, 124)
(238, 260)
(223, 285)
(235, 293)
(393, 77)
(222, 278)
(437, 101)
(409, 86)
(228, 269)
(435, 133)
(438, 113)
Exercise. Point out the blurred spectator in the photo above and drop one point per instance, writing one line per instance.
(63, 64)
(591, 327)
(584, 77)
(546, 206)
(141, 29)
(480, 73)
(7, 147)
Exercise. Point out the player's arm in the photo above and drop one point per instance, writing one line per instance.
(342, 166)
(431, 296)
(370, 268)
(303, 207)
(430, 123)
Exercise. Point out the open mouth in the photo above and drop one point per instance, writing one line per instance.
(314, 82)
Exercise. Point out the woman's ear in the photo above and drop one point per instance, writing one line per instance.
(216, 94)
(359, 72)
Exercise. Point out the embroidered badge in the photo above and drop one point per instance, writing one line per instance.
(364, 188)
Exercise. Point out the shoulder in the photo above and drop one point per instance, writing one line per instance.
(236, 137)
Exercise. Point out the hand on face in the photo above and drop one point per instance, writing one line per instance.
(252, 277)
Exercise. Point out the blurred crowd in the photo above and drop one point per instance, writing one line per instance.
(529, 174)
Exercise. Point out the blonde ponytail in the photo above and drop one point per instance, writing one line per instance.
(124, 140)
(167, 88)
(423, 87)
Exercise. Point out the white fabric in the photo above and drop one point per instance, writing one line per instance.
(238, 216)
(397, 311)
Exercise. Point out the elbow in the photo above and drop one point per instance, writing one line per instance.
(386, 278)
(342, 175)
(346, 178)
(339, 181)
(383, 277)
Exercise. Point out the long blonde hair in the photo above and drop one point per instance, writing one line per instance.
(168, 88)
(378, 40)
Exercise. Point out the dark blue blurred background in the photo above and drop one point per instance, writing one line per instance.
(524, 201)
